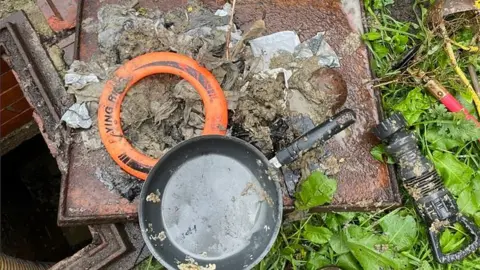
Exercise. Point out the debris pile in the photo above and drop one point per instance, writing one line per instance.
(276, 86)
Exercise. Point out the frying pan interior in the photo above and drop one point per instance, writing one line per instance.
(219, 205)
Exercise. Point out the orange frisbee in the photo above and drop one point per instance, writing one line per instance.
(125, 155)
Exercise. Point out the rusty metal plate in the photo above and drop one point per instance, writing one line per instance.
(363, 183)
(86, 200)
(60, 15)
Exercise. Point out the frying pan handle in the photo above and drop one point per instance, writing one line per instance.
(317, 135)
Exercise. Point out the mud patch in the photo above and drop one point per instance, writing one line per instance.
(264, 101)
(273, 114)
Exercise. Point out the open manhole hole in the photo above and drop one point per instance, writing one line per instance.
(30, 182)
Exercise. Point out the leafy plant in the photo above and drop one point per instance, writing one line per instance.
(401, 231)
(414, 105)
(373, 251)
(317, 189)
(456, 175)
(317, 235)
(453, 125)
(469, 199)
(357, 241)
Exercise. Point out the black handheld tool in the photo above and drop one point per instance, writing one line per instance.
(318, 135)
(434, 203)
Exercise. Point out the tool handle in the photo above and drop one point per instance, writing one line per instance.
(449, 101)
(313, 137)
(471, 229)
(453, 105)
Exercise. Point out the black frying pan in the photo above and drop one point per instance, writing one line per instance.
(215, 201)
